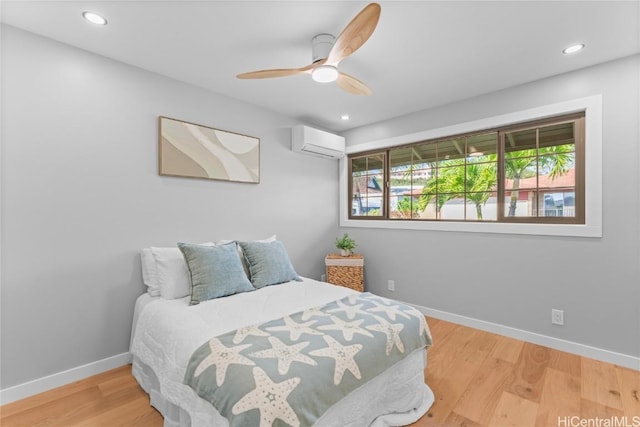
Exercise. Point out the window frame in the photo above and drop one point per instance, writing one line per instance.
(579, 187)
(384, 205)
(591, 163)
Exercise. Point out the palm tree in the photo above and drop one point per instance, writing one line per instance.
(481, 181)
(438, 187)
(406, 208)
(556, 160)
(476, 181)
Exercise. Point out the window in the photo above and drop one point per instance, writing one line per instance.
(367, 185)
(527, 173)
(461, 176)
(542, 172)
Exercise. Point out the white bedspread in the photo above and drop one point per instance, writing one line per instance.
(168, 331)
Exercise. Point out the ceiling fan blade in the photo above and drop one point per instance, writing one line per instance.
(352, 85)
(279, 72)
(355, 34)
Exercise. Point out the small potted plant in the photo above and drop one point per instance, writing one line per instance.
(346, 245)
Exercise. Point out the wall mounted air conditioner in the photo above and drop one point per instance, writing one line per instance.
(305, 139)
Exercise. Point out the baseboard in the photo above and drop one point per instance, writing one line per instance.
(40, 385)
(532, 337)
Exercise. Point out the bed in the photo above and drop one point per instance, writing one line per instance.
(169, 331)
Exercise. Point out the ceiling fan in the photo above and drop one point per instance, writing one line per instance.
(328, 51)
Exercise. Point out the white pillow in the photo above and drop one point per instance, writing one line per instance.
(172, 274)
(149, 274)
(268, 239)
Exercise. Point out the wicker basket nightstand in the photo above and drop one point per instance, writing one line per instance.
(346, 271)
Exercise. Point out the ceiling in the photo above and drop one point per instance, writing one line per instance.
(423, 54)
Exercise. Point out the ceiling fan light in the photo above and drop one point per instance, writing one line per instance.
(325, 74)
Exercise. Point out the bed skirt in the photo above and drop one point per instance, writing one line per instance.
(397, 397)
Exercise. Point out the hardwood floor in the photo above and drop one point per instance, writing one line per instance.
(478, 378)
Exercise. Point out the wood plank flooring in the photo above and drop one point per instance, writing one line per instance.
(478, 378)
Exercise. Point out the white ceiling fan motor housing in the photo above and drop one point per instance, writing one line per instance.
(321, 46)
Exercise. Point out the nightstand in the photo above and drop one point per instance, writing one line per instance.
(347, 271)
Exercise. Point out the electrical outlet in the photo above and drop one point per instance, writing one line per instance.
(391, 285)
(557, 317)
(323, 278)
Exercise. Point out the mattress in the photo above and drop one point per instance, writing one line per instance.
(166, 332)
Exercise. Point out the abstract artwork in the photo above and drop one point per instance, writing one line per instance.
(196, 151)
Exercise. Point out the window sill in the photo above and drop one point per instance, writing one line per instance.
(575, 230)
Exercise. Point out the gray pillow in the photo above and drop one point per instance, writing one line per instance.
(268, 262)
(216, 271)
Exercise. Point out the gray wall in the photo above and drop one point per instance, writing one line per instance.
(516, 280)
(81, 196)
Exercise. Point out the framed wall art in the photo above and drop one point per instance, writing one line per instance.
(196, 151)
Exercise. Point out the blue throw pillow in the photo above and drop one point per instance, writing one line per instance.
(216, 271)
(269, 263)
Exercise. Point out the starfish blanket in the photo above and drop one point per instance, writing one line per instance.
(289, 371)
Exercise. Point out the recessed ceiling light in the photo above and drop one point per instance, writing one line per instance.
(573, 49)
(345, 117)
(94, 18)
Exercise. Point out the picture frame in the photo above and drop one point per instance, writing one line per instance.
(191, 150)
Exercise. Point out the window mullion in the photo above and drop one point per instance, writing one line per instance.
(580, 165)
(386, 202)
(536, 198)
(500, 193)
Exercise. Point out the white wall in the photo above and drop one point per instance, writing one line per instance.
(81, 196)
(515, 280)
